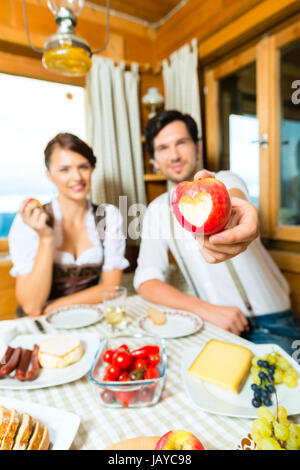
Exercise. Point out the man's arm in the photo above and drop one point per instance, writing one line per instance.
(228, 318)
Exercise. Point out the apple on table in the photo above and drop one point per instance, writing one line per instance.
(179, 440)
(202, 206)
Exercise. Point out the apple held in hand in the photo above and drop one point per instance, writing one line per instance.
(202, 206)
(179, 440)
(36, 201)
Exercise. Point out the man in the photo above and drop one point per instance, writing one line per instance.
(219, 297)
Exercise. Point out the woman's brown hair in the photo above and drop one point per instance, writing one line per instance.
(69, 142)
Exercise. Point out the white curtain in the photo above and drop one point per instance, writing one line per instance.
(114, 133)
(181, 84)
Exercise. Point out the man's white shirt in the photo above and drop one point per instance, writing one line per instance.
(266, 287)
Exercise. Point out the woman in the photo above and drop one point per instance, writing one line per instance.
(58, 257)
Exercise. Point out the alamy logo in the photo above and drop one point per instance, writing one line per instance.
(296, 94)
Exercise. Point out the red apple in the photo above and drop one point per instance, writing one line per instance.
(202, 206)
(34, 200)
(179, 440)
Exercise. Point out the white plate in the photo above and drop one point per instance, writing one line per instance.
(62, 425)
(75, 316)
(178, 323)
(51, 377)
(214, 399)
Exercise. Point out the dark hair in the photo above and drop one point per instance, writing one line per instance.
(162, 119)
(69, 142)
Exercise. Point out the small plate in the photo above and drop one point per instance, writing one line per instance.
(214, 399)
(178, 323)
(62, 425)
(75, 316)
(52, 377)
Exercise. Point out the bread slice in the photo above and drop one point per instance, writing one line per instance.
(24, 432)
(157, 316)
(36, 436)
(4, 421)
(45, 440)
(59, 351)
(11, 430)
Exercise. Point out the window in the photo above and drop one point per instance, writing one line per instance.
(31, 113)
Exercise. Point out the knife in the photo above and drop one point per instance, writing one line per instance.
(40, 326)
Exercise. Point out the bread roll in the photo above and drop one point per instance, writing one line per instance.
(59, 351)
(157, 316)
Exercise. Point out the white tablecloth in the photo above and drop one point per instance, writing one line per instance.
(100, 426)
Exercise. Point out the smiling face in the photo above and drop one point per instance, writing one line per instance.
(71, 173)
(176, 155)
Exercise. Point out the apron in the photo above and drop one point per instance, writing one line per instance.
(69, 279)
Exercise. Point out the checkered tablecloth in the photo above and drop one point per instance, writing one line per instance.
(100, 426)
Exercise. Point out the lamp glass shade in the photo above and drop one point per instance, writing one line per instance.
(74, 5)
(67, 55)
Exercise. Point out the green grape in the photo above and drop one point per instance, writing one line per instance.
(292, 372)
(289, 381)
(293, 443)
(283, 364)
(254, 361)
(281, 432)
(281, 413)
(271, 358)
(294, 435)
(263, 412)
(269, 443)
(278, 376)
(254, 375)
(262, 427)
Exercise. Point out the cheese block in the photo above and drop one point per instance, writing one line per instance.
(224, 364)
(157, 316)
(59, 351)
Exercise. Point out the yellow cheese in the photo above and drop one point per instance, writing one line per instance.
(224, 364)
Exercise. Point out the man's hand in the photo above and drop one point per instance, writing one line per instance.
(229, 318)
(240, 231)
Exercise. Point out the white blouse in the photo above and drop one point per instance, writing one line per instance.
(24, 242)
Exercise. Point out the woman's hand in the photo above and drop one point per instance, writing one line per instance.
(35, 216)
(240, 231)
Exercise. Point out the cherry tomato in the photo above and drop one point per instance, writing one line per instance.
(112, 372)
(126, 398)
(153, 359)
(123, 346)
(123, 377)
(107, 396)
(122, 359)
(107, 356)
(151, 373)
(140, 364)
(136, 375)
(145, 394)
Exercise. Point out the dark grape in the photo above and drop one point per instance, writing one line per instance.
(265, 364)
(270, 388)
(267, 402)
(258, 393)
(262, 375)
(254, 387)
(260, 363)
(264, 394)
(256, 402)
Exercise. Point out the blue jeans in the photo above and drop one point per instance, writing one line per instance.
(279, 328)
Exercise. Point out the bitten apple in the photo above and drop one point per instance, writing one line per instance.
(179, 440)
(202, 206)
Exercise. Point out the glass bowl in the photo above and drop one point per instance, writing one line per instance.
(131, 393)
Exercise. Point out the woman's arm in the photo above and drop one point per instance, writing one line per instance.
(32, 246)
(33, 290)
(91, 295)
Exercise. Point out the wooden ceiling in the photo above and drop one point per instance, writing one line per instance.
(150, 11)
